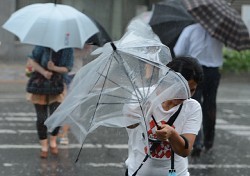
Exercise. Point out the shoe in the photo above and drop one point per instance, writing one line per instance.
(43, 154)
(208, 150)
(64, 141)
(196, 152)
(54, 150)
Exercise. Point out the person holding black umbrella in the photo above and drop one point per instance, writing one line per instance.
(197, 42)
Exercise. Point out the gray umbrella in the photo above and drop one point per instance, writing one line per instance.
(169, 18)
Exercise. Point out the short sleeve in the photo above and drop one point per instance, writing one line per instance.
(37, 53)
(68, 57)
(182, 43)
(194, 117)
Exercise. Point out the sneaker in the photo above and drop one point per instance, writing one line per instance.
(64, 141)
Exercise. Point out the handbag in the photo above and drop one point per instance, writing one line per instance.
(38, 84)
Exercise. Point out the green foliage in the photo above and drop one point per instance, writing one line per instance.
(235, 61)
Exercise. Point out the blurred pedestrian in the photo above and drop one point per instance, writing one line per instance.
(63, 133)
(195, 41)
(46, 62)
(180, 136)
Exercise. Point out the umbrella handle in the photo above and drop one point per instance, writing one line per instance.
(158, 127)
(50, 53)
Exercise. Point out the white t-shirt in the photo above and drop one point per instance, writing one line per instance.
(188, 121)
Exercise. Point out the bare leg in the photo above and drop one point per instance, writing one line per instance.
(44, 148)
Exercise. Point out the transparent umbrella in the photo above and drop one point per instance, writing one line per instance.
(107, 88)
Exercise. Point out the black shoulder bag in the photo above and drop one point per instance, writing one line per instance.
(156, 143)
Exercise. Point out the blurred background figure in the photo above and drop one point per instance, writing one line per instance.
(204, 41)
(47, 62)
(197, 42)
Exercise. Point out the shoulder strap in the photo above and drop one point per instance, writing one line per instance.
(174, 116)
(169, 122)
(171, 119)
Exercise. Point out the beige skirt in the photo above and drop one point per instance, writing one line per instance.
(46, 99)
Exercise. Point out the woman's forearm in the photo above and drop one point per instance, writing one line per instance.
(178, 144)
(37, 67)
(60, 69)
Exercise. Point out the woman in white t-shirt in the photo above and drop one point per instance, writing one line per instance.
(179, 137)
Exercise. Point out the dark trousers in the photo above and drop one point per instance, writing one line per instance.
(42, 113)
(206, 94)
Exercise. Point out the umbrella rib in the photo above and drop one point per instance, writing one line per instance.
(108, 95)
(91, 120)
(124, 88)
(141, 77)
(151, 78)
(127, 73)
(115, 103)
(134, 87)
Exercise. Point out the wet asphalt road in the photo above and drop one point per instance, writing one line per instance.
(105, 150)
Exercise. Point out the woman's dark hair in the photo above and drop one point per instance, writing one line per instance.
(188, 67)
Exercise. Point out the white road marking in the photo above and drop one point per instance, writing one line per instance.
(8, 164)
(219, 166)
(70, 146)
(220, 100)
(20, 119)
(19, 114)
(12, 100)
(230, 127)
(232, 101)
(119, 165)
(7, 131)
(16, 119)
(191, 166)
(27, 131)
(13, 119)
(239, 130)
(241, 133)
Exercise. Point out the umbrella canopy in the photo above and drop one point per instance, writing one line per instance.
(51, 25)
(221, 21)
(101, 37)
(168, 20)
(103, 88)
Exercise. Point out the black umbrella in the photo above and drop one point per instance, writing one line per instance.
(221, 21)
(99, 38)
(169, 18)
